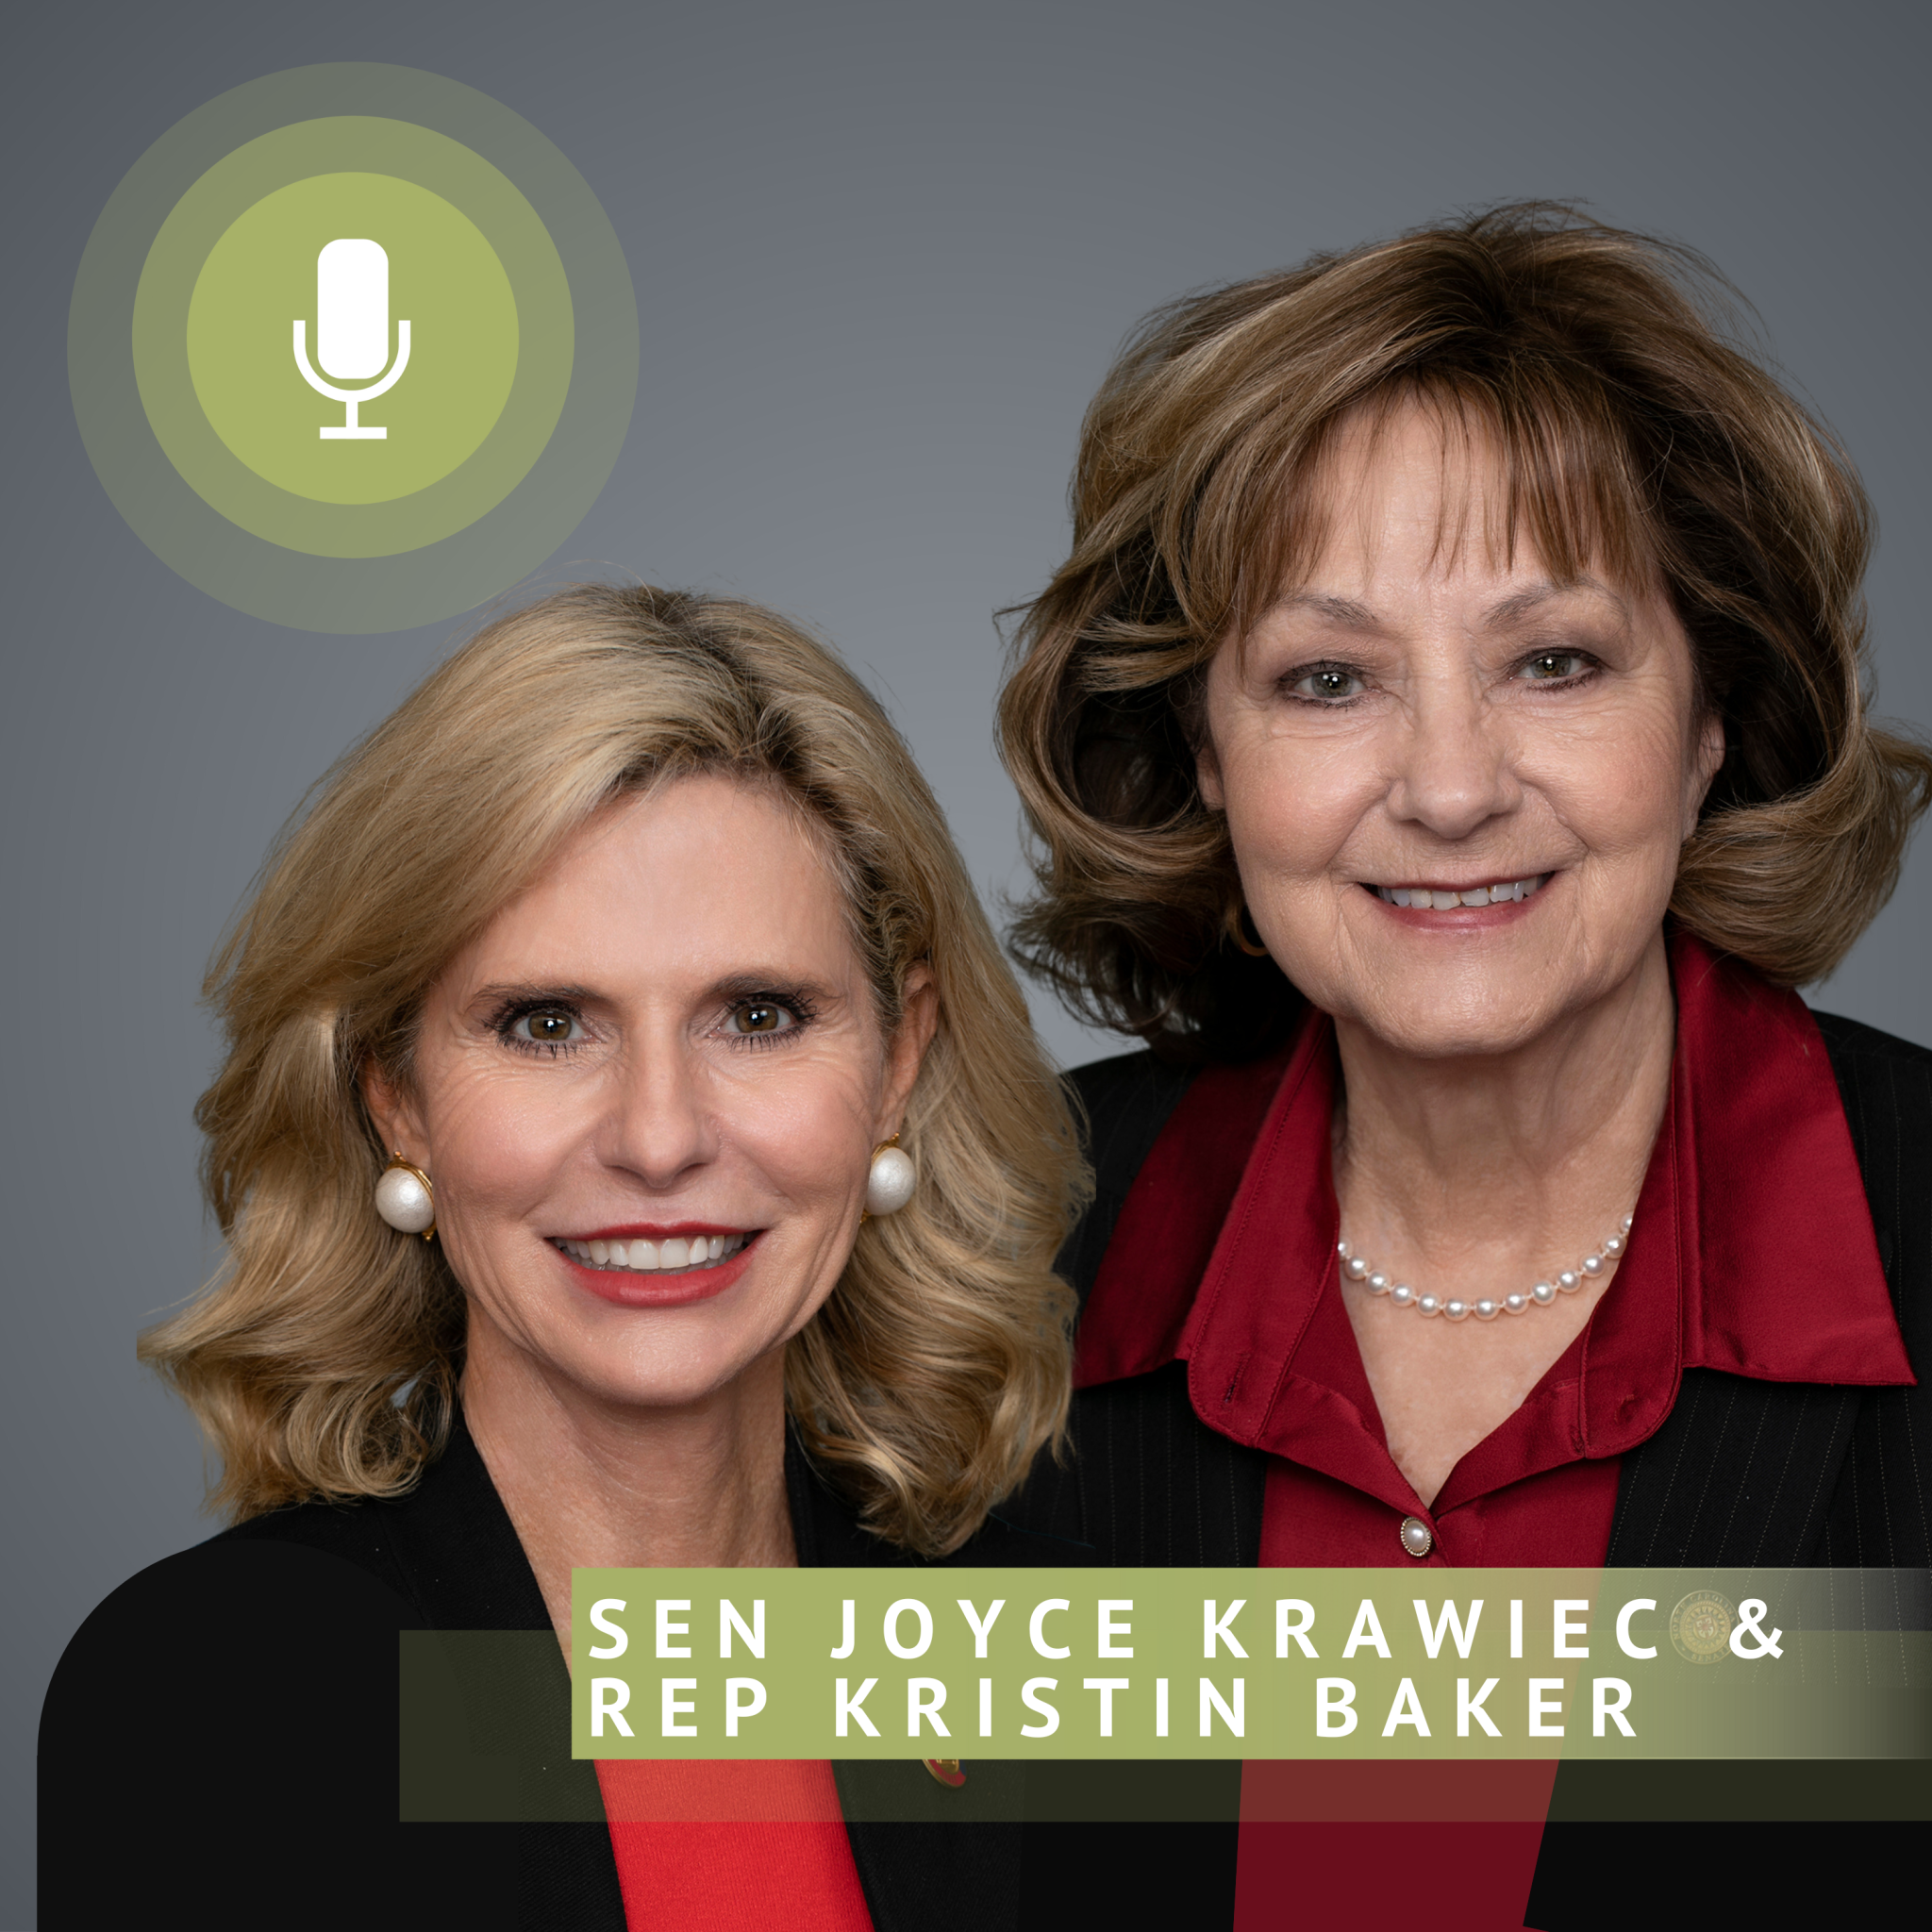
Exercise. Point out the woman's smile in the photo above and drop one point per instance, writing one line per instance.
(655, 1250)
(1441, 898)
(636, 1270)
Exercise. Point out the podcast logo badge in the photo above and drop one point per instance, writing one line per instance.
(356, 343)
(387, 281)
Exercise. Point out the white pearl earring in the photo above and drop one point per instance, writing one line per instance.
(405, 1199)
(890, 1185)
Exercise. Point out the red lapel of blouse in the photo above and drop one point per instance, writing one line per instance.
(1786, 1284)
(1171, 1220)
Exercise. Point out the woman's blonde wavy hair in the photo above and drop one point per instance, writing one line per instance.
(324, 1361)
(1635, 430)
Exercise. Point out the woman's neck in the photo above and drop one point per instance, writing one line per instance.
(1474, 1178)
(592, 1483)
(1507, 1159)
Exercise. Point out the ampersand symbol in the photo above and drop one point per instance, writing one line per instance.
(1749, 1612)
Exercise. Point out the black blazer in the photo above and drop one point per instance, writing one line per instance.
(218, 1741)
(1742, 1472)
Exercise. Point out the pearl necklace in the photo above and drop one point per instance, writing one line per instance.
(1354, 1268)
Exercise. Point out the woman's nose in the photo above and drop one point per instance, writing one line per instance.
(1453, 768)
(659, 1126)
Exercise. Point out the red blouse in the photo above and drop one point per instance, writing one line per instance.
(1752, 1253)
(716, 1846)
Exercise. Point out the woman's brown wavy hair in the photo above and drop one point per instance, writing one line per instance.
(324, 1361)
(1636, 431)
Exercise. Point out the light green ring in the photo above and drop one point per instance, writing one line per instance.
(361, 144)
(353, 594)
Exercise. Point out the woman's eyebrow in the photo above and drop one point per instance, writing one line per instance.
(1341, 611)
(1513, 609)
(769, 983)
(525, 993)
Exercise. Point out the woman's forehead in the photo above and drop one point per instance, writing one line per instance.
(1427, 485)
(702, 864)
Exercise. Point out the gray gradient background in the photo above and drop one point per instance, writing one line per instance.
(882, 255)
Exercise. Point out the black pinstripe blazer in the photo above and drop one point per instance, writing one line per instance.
(1742, 1471)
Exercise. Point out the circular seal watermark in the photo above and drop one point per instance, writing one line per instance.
(1701, 1626)
(353, 347)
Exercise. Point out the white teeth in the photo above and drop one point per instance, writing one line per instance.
(1425, 898)
(648, 1258)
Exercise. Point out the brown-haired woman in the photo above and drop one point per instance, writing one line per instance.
(1448, 747)
(632, 959)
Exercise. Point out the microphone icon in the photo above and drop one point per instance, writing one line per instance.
(352, 331)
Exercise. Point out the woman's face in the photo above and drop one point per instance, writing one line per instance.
(647, 1097)
(1425, 716)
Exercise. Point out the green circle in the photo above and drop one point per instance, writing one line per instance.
(444, 285)
(193, 232)
(346, 567)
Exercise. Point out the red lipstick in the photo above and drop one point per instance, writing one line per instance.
(646, 1288)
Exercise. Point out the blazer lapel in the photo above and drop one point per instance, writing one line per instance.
(930, 1859)
(1739, 1475)
(456, 1546)
(1122, 1106)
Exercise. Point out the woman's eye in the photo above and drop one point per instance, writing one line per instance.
(1553, 667)
(548, 1028)
(1325, 683)
(753, 1017)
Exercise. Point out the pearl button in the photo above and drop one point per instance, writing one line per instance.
(1416, 1537)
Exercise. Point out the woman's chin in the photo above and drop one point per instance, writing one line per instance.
(660, 1388)
(1434, 1021)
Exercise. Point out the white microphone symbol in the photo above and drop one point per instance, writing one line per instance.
(352, 330)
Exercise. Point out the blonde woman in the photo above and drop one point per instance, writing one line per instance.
(632, 1150)
(1449, 746)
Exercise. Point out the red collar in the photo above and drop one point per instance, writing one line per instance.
(1754, 1253)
